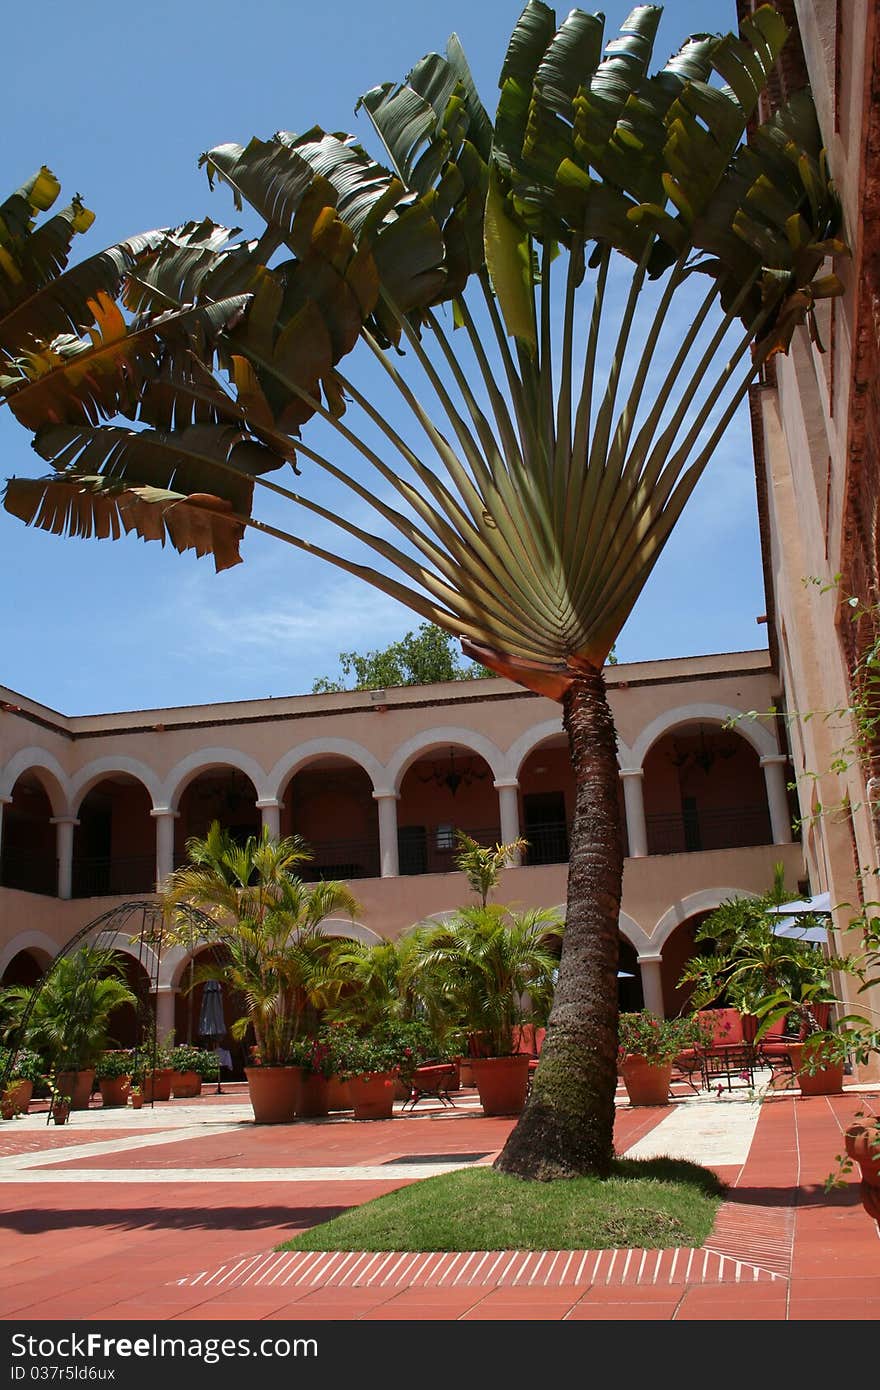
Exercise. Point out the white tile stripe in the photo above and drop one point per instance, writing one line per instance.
(625, 1267)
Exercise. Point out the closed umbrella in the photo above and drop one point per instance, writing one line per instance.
(212, 1024)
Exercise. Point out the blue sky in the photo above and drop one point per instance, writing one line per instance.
(120, 103)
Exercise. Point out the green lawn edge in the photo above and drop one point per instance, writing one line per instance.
(656, 1203)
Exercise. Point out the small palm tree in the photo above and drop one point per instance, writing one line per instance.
(268, 922)
(481, 865)
(69, 1024)
(476, 968)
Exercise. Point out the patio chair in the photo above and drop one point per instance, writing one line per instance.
(431, 1081)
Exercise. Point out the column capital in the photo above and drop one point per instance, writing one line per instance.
(650, 958)
(5, 800)
(268, 803)
(63, 820)
(504, 782)
(164, 989)
(770, 758)
(631, 772)
(157, 811)
(382, 794)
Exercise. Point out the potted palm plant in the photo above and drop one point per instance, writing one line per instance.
(478, 970)
(70, 1021)
(267, 921)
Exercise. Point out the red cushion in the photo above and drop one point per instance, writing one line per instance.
(727, 1026)
(524, 1039)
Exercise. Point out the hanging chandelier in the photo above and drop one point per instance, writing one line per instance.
(455, 775)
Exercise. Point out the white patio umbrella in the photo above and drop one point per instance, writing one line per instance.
(818, 905)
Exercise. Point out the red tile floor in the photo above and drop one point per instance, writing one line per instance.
(89, 1235)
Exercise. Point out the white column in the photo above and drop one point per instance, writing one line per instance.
(774, 765)
(388, 855)
(634, 805)
(508, 810)
(165, 997)
(164, 818)
(270, 813)
(652, 983)
(64, 852)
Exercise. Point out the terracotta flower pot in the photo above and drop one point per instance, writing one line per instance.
(314, 1096)
(137, 1102)
(863, 1146)
(61, 1114)
(827, 1081)
(185, 1084)
(274, 1093)
(77, 1085)
(647, 1083)
(402, 1089)
(157, 1084)
(338, 1094)
(372, 1095)
(16, 1099)
(114, 1090)
(502, 1083)
(466, 1073)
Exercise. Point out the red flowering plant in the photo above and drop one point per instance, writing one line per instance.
(656, 1039)
(315, 1055)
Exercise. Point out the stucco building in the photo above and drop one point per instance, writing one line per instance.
(97, 809)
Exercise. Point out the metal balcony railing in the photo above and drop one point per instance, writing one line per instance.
(725, 828)
(341, 859)
(29, 872)
(431, 849)
(101, 877)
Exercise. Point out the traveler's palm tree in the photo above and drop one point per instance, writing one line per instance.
(268, 923)
(525, 486)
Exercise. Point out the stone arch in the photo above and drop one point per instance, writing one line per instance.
(532, 738)
(118, 941)
(751, 730)
(292, 762)
(93, 773)
(355, 931)
(54, 779)
(443, 735)
(706, 900)
(28, 941)
(204, 760)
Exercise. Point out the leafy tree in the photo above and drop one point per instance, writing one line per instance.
(524, 506)
(420, 658)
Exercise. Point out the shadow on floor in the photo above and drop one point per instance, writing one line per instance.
(240, 1219)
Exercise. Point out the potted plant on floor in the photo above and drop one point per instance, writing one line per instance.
(190, 1066)
(60, 1104)
(315, 1058)
(267, 920)
(113, 1070)
(136, 1097)
(647, 1049)
(158, 1072)
(372, 1061)
(70, 1021)
(27, 1070)
(488, 970)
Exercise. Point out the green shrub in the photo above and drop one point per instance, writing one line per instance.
(185, 1057)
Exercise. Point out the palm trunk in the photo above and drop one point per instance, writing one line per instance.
(567, 1127)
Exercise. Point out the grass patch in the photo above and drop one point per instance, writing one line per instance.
(652, 1203)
